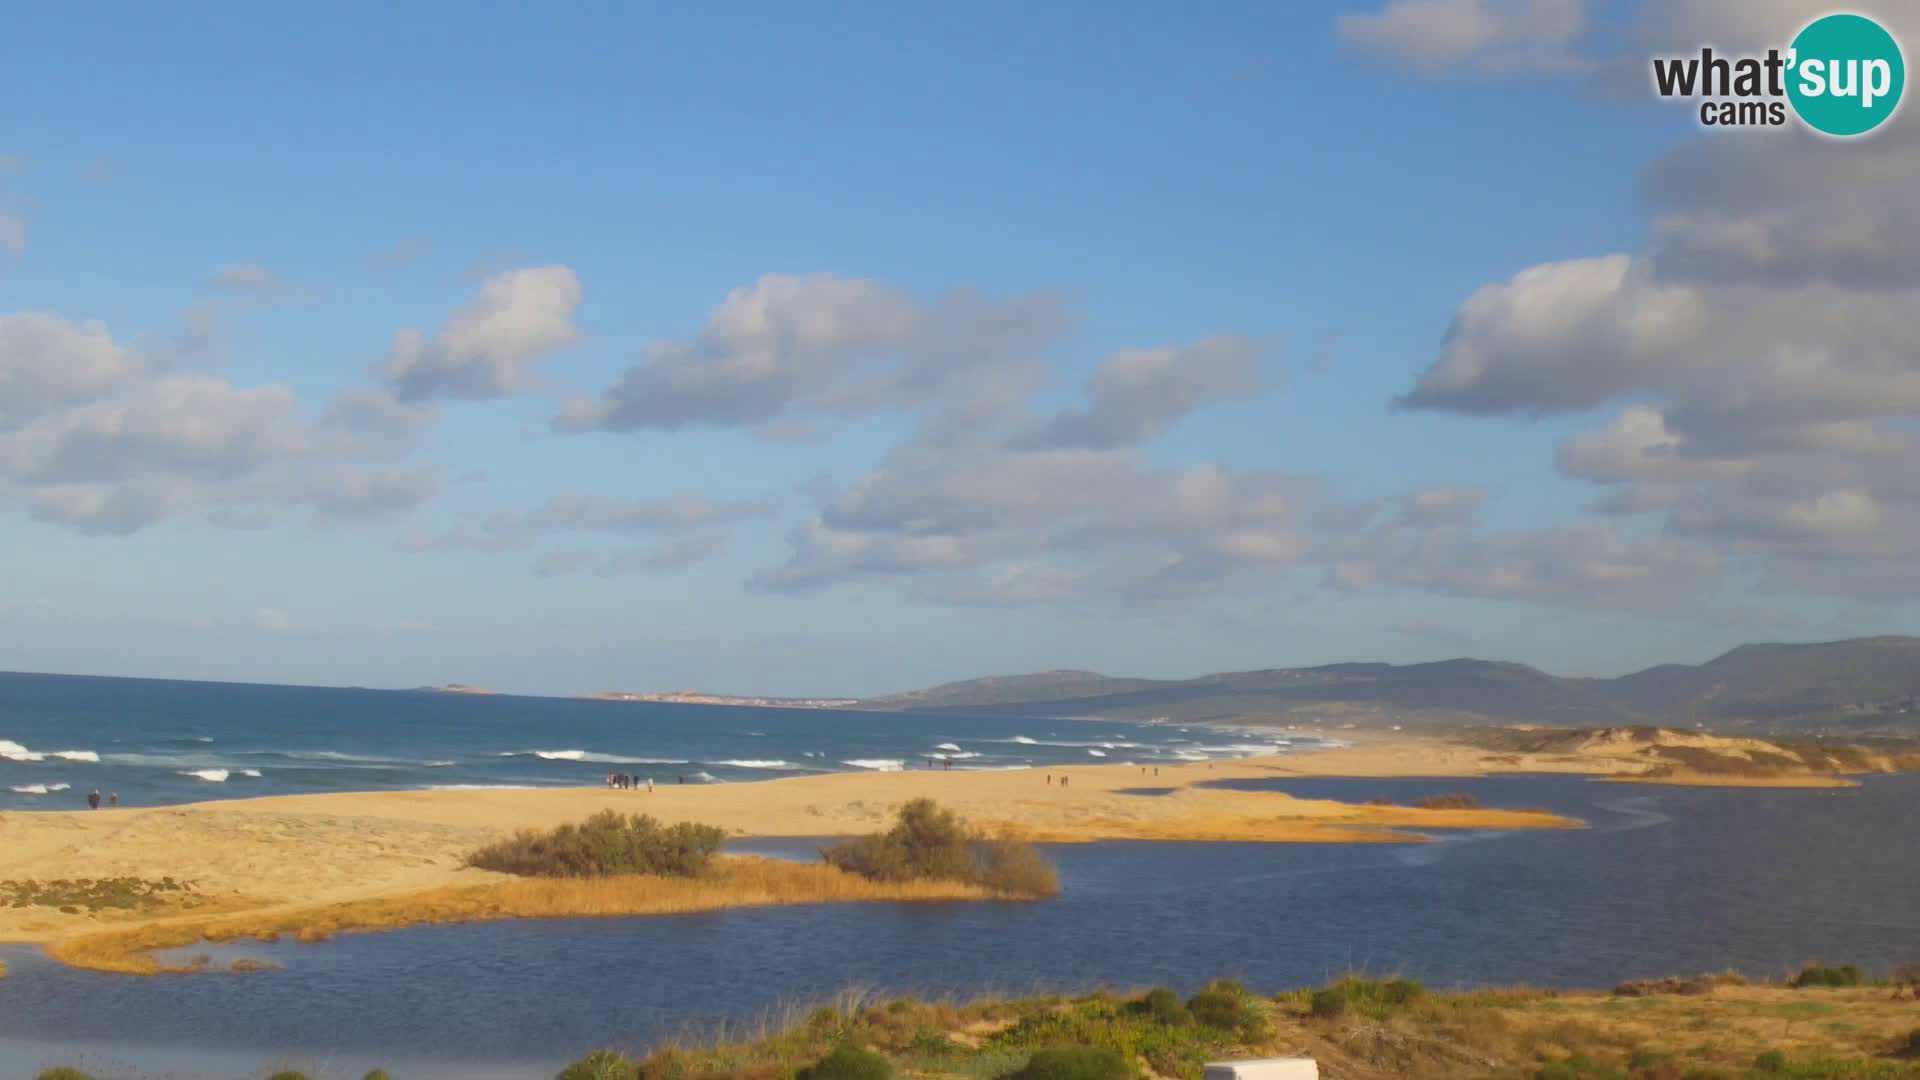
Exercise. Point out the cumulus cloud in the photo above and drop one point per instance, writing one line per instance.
(1759, 357)
(1139, 393)
(491, 347)
(821, 344)
(107, 438)
(1483, 37)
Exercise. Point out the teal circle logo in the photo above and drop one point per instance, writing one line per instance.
(1847, 75)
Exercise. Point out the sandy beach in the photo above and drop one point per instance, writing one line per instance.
(279, 864)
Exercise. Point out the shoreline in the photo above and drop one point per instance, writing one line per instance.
(377, 860)
(315, 864)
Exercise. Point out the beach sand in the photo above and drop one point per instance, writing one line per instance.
(263, 862)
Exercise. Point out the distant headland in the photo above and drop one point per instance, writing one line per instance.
(696, 697)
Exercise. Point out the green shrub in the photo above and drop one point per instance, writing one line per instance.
(927, 842)
(1074, 1063)
(62, 1072)
(1016, 868)
(607, 843)
(1217, 1009)
(377, 1074)
(288, 1074)
(1166, 1007)
(1911, 1047)
(849, 1062)
(1818, 975)
(1375, 998)
(600, 1065)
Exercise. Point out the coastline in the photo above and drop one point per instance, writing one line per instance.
(310, 865)
(376, 860)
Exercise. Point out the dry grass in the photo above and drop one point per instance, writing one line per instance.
(737, 882)
(1717, 1028)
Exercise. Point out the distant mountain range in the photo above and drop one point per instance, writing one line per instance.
(1866, 685)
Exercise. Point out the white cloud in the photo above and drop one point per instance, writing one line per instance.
(100, 437)
(492, 346)
(820, 344)
(13, 233)
(1761, 358)
(1139, 393)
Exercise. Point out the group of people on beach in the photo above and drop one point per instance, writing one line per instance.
(628, 781)
(93, 799)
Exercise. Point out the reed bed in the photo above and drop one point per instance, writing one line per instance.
(737, 882)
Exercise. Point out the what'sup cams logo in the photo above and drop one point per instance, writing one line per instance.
(1842, 75)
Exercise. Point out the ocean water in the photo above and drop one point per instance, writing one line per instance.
(155, 742)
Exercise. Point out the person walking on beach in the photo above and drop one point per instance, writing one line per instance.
(113, 798)
(649, 783)
(93, 800)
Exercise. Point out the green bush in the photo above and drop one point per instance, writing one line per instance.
(849, 1062)
(288, 1074)
(607, 843)
(1577, 1067)
(1911, 1047)
(1165, 1007)
(62, 1072)
(600, 1065)
(377, 1074)
(1818, 975)
(927, 842)
(1376, 998)
(1773, 1061)
(1074, 1063)
(1217, 1009)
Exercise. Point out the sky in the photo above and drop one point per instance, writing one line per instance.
(787, 349)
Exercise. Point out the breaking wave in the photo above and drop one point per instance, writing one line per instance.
(13, 751)
(211, 776)
(754, 764)
(595, 758)
(38, 789)
(877, 764)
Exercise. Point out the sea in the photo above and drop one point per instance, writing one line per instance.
(1663, 881)
(154, 742)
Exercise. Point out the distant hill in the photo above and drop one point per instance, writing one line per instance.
(1863, 685)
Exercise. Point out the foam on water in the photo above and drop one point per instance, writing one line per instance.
(13, 751)
(211, 776)
(39, 789)
(596, 758)
(1096, 752)
(755, 764)
(877, 764)
(479, 787)
(948, 746)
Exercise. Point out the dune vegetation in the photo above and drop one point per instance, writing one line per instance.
(927, 843)
(1358, 1028)
(615, 865)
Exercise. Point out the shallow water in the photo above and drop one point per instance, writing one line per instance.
(156, 742)
(1667, 880)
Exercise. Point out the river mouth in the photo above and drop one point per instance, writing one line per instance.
(1666, 881)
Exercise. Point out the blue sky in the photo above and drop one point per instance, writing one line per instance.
(1249, 226)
